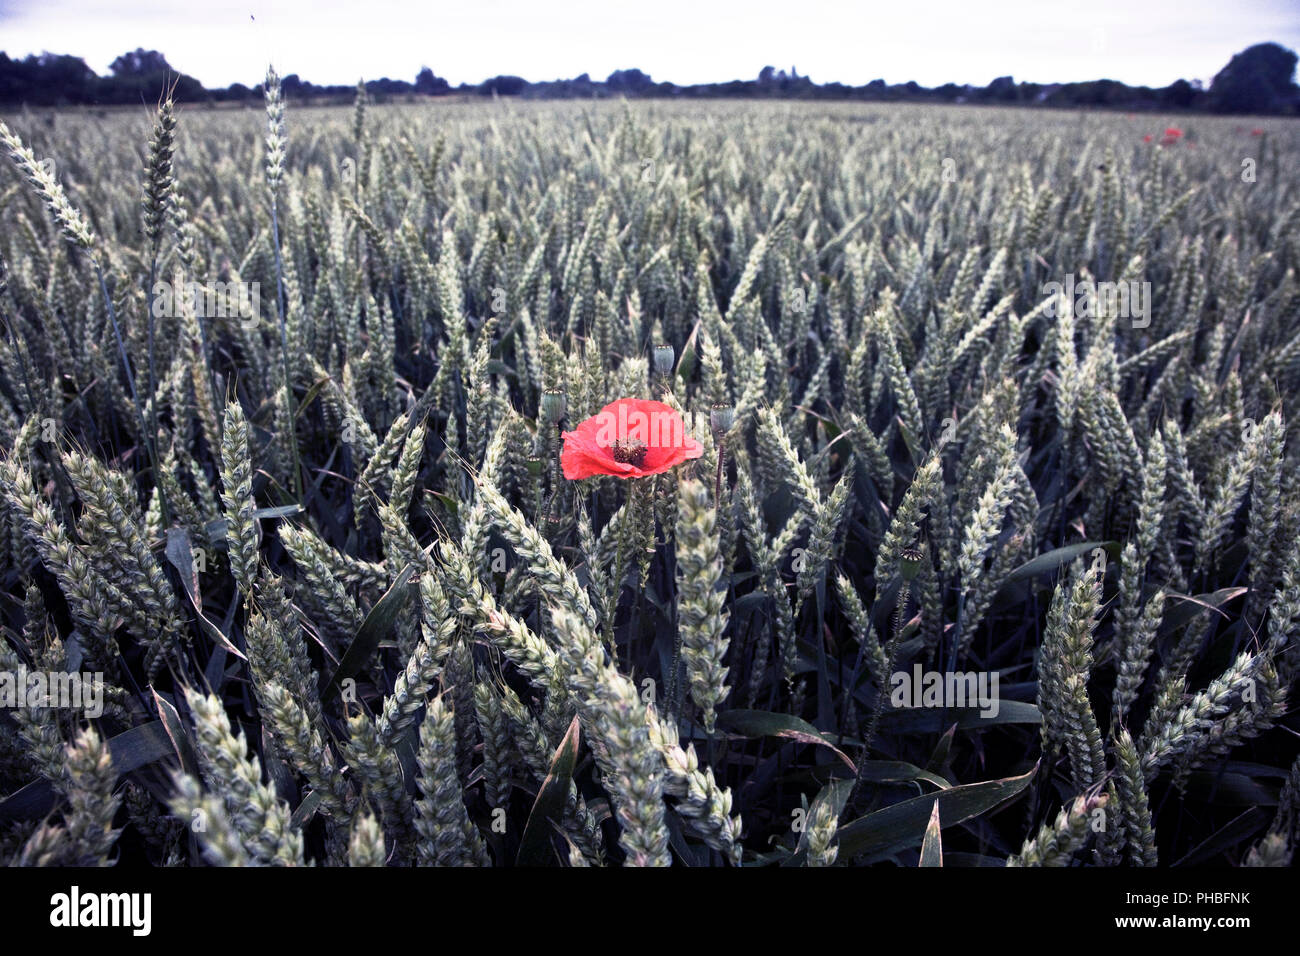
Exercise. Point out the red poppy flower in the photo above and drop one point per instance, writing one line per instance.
(1173, 132)
(1256, 132)
(629, 438)
(1147, 138)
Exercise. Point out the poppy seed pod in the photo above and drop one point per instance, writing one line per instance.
(721, 418)
(910, 563)
(553, 405)
(664, 358)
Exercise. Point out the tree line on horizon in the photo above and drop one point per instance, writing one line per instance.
(1257, 80)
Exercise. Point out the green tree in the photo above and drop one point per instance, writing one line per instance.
(1256, 80)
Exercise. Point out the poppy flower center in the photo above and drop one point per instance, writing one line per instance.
(629, 451)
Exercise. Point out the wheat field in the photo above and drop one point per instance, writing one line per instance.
(980, 545)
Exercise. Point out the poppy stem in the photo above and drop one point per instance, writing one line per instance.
(555, 469)
(717, 480)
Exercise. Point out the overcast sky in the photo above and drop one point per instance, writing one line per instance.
(1152, 42)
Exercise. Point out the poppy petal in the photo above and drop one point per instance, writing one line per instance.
(589, 449)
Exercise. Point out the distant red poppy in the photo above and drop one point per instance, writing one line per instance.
(1173, 132)
(1147, 138)
(629, 438)
(1256, 132)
